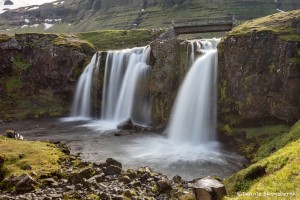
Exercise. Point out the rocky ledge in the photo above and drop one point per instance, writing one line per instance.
(107, 180)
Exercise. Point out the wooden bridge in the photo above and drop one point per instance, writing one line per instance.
(211, 25)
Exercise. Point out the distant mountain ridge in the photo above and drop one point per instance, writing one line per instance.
(88, 15)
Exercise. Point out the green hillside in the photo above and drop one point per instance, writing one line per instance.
(80, 16)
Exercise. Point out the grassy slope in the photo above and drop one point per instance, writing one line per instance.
(278, 172)
(42, 157)
(159, 13)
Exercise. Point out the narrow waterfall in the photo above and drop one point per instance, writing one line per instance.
(193, 118)
(81, 106)
(125, 91)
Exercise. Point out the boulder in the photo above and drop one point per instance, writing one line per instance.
(112, 170)
(209, 188)
(8, 2)
(23, 183)
(164, 185)
(126, 124)
(14, 134)
(111, 161)
(77, 177)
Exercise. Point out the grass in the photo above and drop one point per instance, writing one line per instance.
(277, 169)
(119, 39)
(27, 156)
(276, 173)
(279, 23)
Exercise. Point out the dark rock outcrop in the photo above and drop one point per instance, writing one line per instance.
(259, 78)
(209, 188)
(169, 61)
(39, 68)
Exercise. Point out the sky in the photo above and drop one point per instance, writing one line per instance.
(22, 3)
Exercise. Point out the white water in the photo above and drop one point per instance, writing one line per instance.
(193, 118)
(81, 106)
(125, 93)
(191, 133)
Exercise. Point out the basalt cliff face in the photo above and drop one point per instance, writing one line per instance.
(38, 73)
(259, 71)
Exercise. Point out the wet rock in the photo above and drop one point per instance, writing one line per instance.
(164, 185)
(126, 124)
(177, 179)
(8, 2)
(124, 179)
(112, 170)
(111, 161)
(13, 134)
(131, 173)
(78, 177)
(209, 188)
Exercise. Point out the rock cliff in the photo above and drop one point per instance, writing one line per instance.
(169, 61)
(38, 73)
(259, 71)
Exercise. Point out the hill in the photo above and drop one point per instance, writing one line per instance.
(87, 15)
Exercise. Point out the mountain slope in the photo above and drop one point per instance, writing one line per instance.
(86, 15)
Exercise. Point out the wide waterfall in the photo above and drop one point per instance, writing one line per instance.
(125, 91)
(193, 118)
(81, 106)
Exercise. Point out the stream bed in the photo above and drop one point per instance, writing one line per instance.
(135, 150)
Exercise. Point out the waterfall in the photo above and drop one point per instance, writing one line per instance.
(193, 119)
(82, 102)
(125, 91)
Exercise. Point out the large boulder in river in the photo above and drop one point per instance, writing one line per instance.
(259, 71)
(126, 124)
(209, 188)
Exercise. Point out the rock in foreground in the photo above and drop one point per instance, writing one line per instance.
(209, 188)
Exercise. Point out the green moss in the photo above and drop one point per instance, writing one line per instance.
(276, 171)
(26, 156)
(71, 40)
(119, 39)
(5, 37)
(278, 23)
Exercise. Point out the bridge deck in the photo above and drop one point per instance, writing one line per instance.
(204, 28)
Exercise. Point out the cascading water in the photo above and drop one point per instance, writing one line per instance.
(81, 106)
(125, 93)
(193, 119)
(190, 147)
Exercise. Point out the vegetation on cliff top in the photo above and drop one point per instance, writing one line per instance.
(120, 39)
(283, 23)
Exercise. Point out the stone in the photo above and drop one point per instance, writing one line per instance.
(49, 181)
(8, 2)
(209, 188)
(111, 161)
(124, 179)
(25, 183)
(177, 179)
(112, 170)
(77, 177)
(126, 124)
(164, 185)
(13, 134)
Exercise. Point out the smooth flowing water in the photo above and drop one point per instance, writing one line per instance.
(193, 119)
(81, 106)
(188, 148)
(125, 93)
